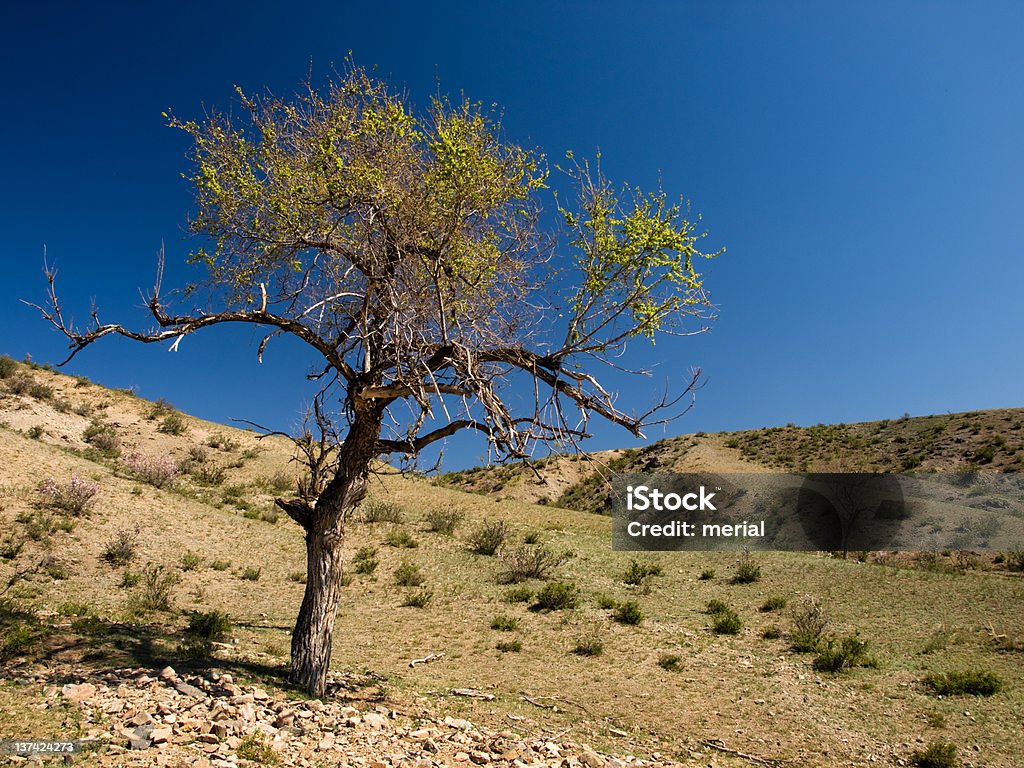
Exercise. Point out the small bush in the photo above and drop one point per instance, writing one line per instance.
(173, 424)
(158, 471)
(17, 641)
(401, 538)
(220, 565)
(938, 754)
(629, 613)
(716, 606)
(35, 432)
(382, 512)
(190, 561)
(75, 497)
(835, 657)
(809, 622)
(671, 662)
(510, 646)
(488, 537)
(299, 577)
(62, 406)
(504, 623)
(208, 474)
(707, 574)
(418, 599)
(40, 392)
(533, 537)
(257, 749)
(639, 573)
(1015, 560)
(120, 550)
(130, 580)
(8, 367)
(251, 573)
(727, 622)
(408, 574)
(156, 589)
(747, 570)
(557, 596)
(771, 632)
(521, 594)
(444, 520)
(10, 548)
(211, 626)
(281, 482)
(590, 644)
(965, 683)
(530, 562)
(103, 438)
(776, 603)
(269, 515)
(365, 561)
(607, 603)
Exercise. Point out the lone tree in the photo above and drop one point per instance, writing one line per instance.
(408, 250)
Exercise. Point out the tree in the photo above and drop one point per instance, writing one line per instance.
(409, 252)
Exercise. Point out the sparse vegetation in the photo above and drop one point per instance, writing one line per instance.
(158, 471)
(401, 538)
(640, 573)
(589, 644)
(964, 683)
(775, 603)
(418, 599)
(75, 497)
(155, 593)
(747, 570)
(629, 613)
(810, 620)
(488, 537)
(365, 561)
(671, 662)
(509, 646)
(408, 574)
(938, 754)
(190, 561)
(528, 561)
(250, 573)
(220, 565)
(444, 520)
(726, 622)
(707, 574)
(841, 654)
(557, 596)
(120, 550)
(173, 424)
(382, 512)
(520, 594)
(505, 623)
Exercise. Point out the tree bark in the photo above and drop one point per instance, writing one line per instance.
(324, 524)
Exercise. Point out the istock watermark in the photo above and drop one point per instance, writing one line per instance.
(818, 511)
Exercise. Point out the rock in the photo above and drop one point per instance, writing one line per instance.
(160, 735)
(78, 693)
(141, 718)
(461, 757)
(259, 694)
(375, 720)
(207, 738)
(458, 724)
(139, 738)
(429, 745)
(188, 690)
(480, 758)
(168, 673)
(591, 759)
(285, 718)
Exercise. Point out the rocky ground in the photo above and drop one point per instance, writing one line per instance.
(136, 717)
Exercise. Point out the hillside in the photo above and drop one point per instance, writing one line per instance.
(991, 441)
(624, 664)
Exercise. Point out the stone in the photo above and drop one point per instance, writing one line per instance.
(78, 693)
(458, 723)
(375, 720)
(160, 735)
(140, 718)
(285, 718)
(429, 745)
(259, 694)
(591, 759)
(168, 673)
(480, 758)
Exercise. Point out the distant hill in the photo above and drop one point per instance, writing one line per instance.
(990, 440)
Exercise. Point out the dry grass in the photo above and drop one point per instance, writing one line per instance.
(754, 694)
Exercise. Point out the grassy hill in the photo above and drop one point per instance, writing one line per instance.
(669, 657)
(991, 441)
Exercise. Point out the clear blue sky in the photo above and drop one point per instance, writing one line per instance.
(862, 162)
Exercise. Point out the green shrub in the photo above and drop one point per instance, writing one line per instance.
(210, 626)
(408, 574)
(40, 392)
(557, 596)
(444, 520)
(103, 438)
(75, 497)
(640, 572)
(418, 599)
(120, 550)
(257, 749)
(530, 562)
(220, 565)
(776, 603)
(488, 537)
(835, 657)
(382, 512)
(771, 632)
(607, 603)
(281, 482)
(809, 622)
(130, 580)
(521, 594)
(10, 548)
(8, 367)
(251, 573)
(173, 424)
(590, 644)
(365, 561)
(727, 622)
(17, 641)
(299, 577)
(747, 570)
(190, 561)
(505, 623)
(510, 646)
(707, 574)
(671, 662)
(716, 606)
(208, 474)
(399, 537)
(156, 589)
(629, 613)
(967, 682)
(938, 754)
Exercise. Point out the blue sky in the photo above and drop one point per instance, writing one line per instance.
(862, 163)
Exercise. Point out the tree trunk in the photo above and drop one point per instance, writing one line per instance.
(324, 524)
